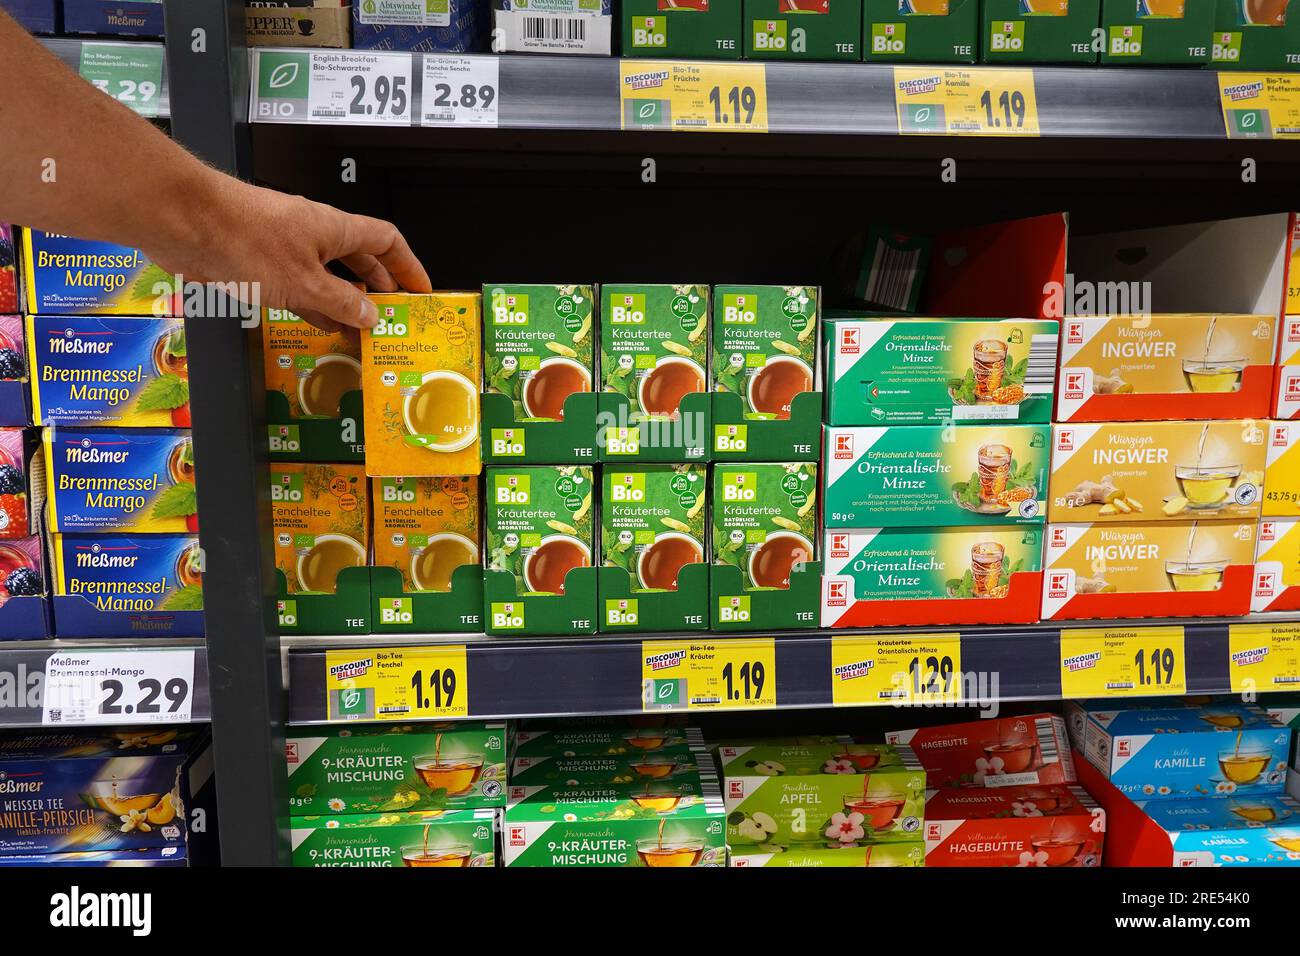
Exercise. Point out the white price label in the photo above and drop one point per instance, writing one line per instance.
(460, 91)
(355, 87)
(139, 686)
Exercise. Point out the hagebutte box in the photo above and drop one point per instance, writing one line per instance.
(1014, 826)
(1276, 584)
(1006, 752)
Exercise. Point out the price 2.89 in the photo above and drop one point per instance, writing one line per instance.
(176, 690)
(471, 97)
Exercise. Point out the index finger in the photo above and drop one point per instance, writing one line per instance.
(382, 240)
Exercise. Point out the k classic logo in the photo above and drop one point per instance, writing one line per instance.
(75, 909)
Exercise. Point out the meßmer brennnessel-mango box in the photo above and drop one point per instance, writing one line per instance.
(935, 476)
(1157, 471)
(134, 575)
(425, 527)
(1148, 569)
(319, 515)
(1165, 366)
(1282, 470)
(1276, 584)
(927, 371)
(313, 369)
(414, 838)
(69, 276)
(765, 345)
(1156, 32)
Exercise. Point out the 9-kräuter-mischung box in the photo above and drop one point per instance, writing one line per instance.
(414, 838)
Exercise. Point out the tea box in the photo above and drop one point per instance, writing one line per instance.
(1282, 470)
(678, 824)
(920, 31)
(421, 371)
(886, 371)
(1173, 32)
(538, 346)
(1157, 471)
(1147, 569)
(1276, 584)
(129, 573)
(685, 29)
(613, 741)
(34, 16)
(652, 522)
(846, 794)
(1127, 367)
(1003, 752)
(803, 29)
(312, 368)
(1039, 31)
(99, 789)
(539, 524)
(126, 18)
(1259, 830)
(121, 372)
(1051, 826)
(552, 26)
(13, 361)
(765, 520)
(168, 856)
(21, 569)
(810, 855)
(1287, 394)
(406, 838)
(425, 527)
(1216, 750)
(875, 576)
(1254, 35)
(419, 26)
(22, 483)
(765, 341)
(319, 516)
(69, 276)
(134, 481)
(382, 768)
(929, 475)
(559, 770)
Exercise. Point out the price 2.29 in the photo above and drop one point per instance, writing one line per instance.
(117, 701)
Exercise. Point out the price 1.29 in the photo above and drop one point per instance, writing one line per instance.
(931, 676)
(381, 96)
(145, 696)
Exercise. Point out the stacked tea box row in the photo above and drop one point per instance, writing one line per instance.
(117, 18)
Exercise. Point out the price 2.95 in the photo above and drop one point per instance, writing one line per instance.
(389, 95)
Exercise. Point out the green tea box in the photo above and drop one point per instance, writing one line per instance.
(783, 794)
(1254, 35)
(807, 855)
(935, 475)
(803, 29)
(1157, 32)
(1039, 31)
(610, 741)
(537, 345)
(765, 346)
(414, 838)
(920, 31)
(886, 371)
(652, 522)
(765, 520)
(686, 29)
(381, 768)
(539, 523)
(667, 764)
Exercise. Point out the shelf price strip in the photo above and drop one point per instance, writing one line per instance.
(460, 91)
(346, 87)
(693, 96)
(131, 73)
(397, 683)
(699, 675)
(916, 669)
(1260, 105)
(973, 101)
(1263, 657)
(1123, 662)
(136, 686)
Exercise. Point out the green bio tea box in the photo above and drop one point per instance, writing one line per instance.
(935, 476)
(806, 855)
(539, 524)
(803, 29)
(765, 520)
(1157, 32)
(1039, 31)
(920, 31)
(608, 741)
(537, 346)
(929, 370)
(381, 768)
(1255, 35)
(652, 522)
(414, 838)
(666, 764)
(689, 29)
(765, 346)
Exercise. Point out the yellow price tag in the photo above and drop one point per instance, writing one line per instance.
(693, 96)
(397, 683)
(916, 669)
(1123, 662)
(1260, 105)
(698, 675)
(966, 101)
(1263, 657)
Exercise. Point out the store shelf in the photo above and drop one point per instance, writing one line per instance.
(69, 50)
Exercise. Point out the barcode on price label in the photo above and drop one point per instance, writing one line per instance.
(137, 686)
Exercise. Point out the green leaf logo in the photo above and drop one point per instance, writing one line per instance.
(283, 75)
(923, 115)
(1248, 120)
(351, 698)
(646, 111)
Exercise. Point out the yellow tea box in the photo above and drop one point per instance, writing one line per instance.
(1282, 470)
(425, 527)
(1276, 586)
(1287, 391)
(1157, 471)
(319, 517)
(1165, 366)
(1148, 569)
(312, 368)
(421, 366)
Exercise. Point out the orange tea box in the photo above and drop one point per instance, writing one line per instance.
(425, 527)
(421, 367)
(1282, 470)
(1157, 471)
(319, 516)
(1276, 586)
(1165, 366)
(312, 368)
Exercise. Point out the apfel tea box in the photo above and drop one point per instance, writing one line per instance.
(1003, 752)
(312, 368)
(765, 341)
(425, 527)
(935, 476)
(320, 520)
(538, 346)
(1049, 826)
(404, 838)
(1157, 471)
(383, 768)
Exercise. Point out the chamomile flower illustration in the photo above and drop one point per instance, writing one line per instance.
(337, 805)
(570, 818)
(1225, 786)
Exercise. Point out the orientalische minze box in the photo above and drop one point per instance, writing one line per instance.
(652, 522)
(425, 527)
(936, 476)
(414, 838)
(537, 345)
(765, 520)
(765, 345)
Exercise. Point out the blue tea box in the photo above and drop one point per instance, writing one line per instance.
(1260, 830)
(34, 16)
(419, 26)
(156, 856)
(99, 790)
(138, 480)
(1216, 750)
(117, 18)
(64, 275)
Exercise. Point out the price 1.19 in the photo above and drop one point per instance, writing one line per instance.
(747, 683)
(1010, 109)
(115, 700)
(385, 96)
(436, 691)
(736, 105)
(1162, 661)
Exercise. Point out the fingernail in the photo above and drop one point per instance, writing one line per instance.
(369, 314)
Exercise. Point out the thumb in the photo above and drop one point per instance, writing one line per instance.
(339, 300)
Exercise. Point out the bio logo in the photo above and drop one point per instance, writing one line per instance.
(770, 35)
(1126, 41)
(889, 38)
(1007, 36)
(509, 309)
(396, 490)
(627, 487)
(650, 32)
(508, 615)
(628, 309)
(621, 612)
(283, 439)
(393, 322)
(739, 309)
(286, 486)
(288, 613)
(512, 489)
(733, 609)
(395, 611)
(732, 438)
(739, 486)
(1227, 48)
(508, 442)
(622, 441)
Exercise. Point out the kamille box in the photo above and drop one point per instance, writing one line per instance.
(1148, 569)
(1157, 471)
(803, 29)
(1254, 35)
(928, 371)
(1039, 31)
(319, 514)
(425, 527)
(538, 345)
(1157, 32)
(108, 371)
(415, 838)
(652, 522)
(1282, 470)
(920, 31)
(892, 576)
(131, 574)
(1005, 752)
(1276, 584)
(804, 855)
(1236, 831)
(1051, 826)
(765, 520)
(421, 368)
(930, 475)
(1165, 366)
(69, 276)
(313, 369)
(765, 345)
(686, 29)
